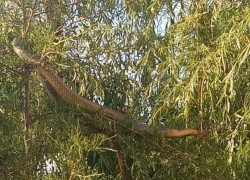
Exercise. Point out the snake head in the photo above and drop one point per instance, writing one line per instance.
(16, 42)
(202, 135)
(23, 54)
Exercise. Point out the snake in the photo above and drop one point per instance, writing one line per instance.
(61, 89)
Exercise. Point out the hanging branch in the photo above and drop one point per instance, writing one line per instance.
(26, 111)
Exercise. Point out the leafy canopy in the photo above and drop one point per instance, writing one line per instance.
(166, 63)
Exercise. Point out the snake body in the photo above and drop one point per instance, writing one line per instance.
(69, 96)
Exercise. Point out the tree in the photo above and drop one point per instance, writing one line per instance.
(172, 64)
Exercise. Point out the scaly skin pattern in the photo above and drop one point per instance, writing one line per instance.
(69, 96)
(174, 133)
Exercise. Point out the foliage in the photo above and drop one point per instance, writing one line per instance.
(167, 63)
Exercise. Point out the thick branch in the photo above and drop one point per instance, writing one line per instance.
(121, 160)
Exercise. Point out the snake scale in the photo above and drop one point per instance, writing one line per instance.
(69, 96)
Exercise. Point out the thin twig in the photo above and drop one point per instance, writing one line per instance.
(30, 18)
